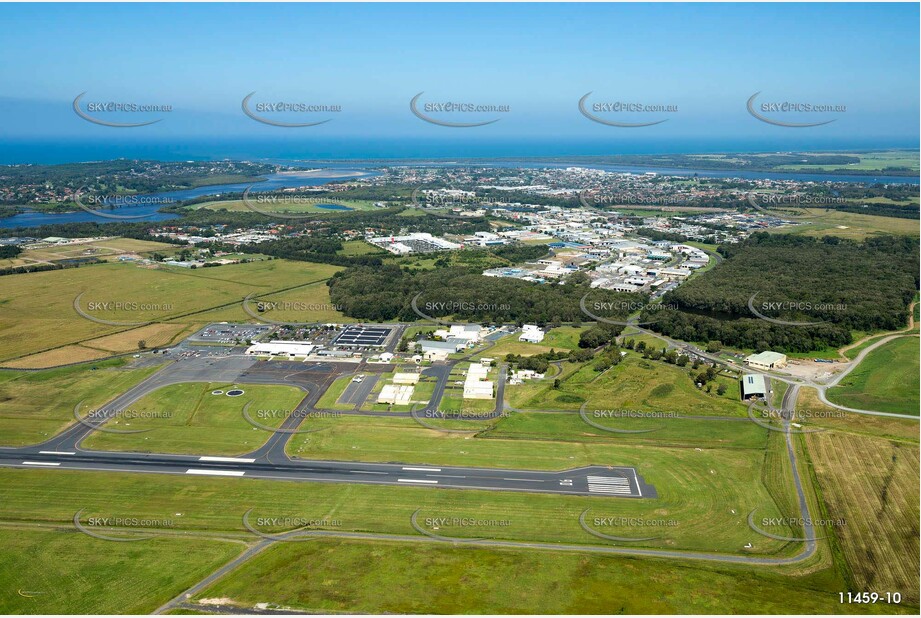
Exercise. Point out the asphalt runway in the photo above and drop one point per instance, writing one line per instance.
(587, 481)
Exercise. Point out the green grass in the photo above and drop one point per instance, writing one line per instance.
(35, 405)
(57, 571)
(698, 490)
(43, 302)
(848, 225)
(886, 380)
(340, 576)
(188, 419)
(287, 207)
(635, 384)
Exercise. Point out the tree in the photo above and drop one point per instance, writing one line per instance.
(142, 345)
(721, 389)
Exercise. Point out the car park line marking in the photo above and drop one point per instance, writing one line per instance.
(215, 472)
(416, 481)
(422, 469)
(227, 459)
(40, 463)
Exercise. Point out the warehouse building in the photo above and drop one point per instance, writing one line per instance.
(753, 385)
(767, 360)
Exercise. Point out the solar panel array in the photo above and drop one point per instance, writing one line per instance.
(361, 336)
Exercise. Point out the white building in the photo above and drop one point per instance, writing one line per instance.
(531, 333)
(767, 360)
(406, 378)
(281, 348)
(469, 333)
(395, 394)
(476, 386)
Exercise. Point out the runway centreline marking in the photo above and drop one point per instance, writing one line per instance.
(422, 469)
(416, 481)
(365, 472)
(526, 480)
(215, 472)
(56, 453)
(227, 459)
(40, 463)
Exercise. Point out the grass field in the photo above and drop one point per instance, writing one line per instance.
(872, 484)
(849, 225)
(35, 405)
(43, 302)
(290, 207)
(886, 380)
(103, 249)
(634, 384)
(188, 419)
(700, 503)
(869, 162)
(58, 571)
(334, 576)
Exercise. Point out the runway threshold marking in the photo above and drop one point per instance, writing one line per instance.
(40, 463)
(416, 481)
(227, 459)
(56, 453)
(422, 469)
(215, 472)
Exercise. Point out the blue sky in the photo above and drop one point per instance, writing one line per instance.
(538, 59)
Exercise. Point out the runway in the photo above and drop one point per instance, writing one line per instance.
(599, 481)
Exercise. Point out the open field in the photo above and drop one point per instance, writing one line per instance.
(442, 580)
(35, 405)
(872, 484)
(849, 225)
(869, 162)
(290, 207)
(694, 511)
(189, 419)
(359, 247)
(43, 302)
(634, 384)
(104, 249)
(59, 571)
(886, 380)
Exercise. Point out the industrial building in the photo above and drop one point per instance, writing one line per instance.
(476, 386)
(753, 385)
(531, 333)
(767, 360)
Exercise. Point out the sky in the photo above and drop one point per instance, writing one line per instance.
(536, 59)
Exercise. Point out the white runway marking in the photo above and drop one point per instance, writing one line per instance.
(422, 469)
(416, 481)
(227, 459)
(617, 485)
(56, 453)
(39, 463)
(215, 472)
